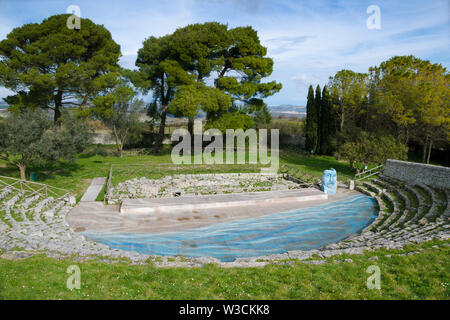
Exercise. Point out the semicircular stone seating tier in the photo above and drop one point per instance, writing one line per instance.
(408, 214)
(36, 222)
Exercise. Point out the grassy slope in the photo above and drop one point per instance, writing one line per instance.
(76, 177)
(421, 276)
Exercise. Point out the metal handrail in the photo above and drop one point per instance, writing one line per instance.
(365, 174)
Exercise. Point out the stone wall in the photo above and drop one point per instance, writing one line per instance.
(435, 176)
(103, 138)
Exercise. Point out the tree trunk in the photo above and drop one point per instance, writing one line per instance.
(191, 127)
(342, 119)
(406, 135)
(424, 154)
(162, 127)
(119, 144)
(22, 169)
(58, 106)
(429, 151)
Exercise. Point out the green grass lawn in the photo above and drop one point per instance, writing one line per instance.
(421, 276)
(76, 176)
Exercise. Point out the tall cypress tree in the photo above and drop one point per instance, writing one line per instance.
(310, 110)
(325, 123)
(317, 106)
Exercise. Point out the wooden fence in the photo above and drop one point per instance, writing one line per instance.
(31, 188)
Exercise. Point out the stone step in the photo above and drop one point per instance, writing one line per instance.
(394, 215)
(404, 198)
(389, 198)
(5, 192)
(400, 220)
(416, 194)
(372, 187)
(27, 202)
(392, 181)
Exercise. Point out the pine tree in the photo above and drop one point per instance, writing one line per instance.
(325, 123)
(51, 66)
(309, 142)
(317, 106)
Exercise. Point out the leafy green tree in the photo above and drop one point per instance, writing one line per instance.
(349, 151)
(262, 118)
(387, 147)
(373, 148)
(325, 122)
(199, 48)
(245, 65)
(120, 111)
(231, 120)
(160, 72)
(31, 138)
(221, 62)
(190, 99)
(413, 94)
(51, 66)
(348, 89)
(232, 60)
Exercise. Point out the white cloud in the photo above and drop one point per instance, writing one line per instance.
(309, 41)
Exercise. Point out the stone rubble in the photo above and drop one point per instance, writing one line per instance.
(199, 184)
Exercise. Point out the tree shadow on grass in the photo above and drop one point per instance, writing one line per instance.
(9, 171)
(59, 169)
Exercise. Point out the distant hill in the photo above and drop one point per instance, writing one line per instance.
(288, 110)
(285, 110)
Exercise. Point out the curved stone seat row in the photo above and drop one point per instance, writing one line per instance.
(372, 187)
(402, 225)
(422, 213)
(433, 212)
(5, 192)
(381, 206)
(383, 214)
(420, 207)
(397, 188)
(446, 213)
(33, 208)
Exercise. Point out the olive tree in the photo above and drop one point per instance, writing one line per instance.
(119, 111)
(31, 138)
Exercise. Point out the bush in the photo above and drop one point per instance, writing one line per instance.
(375, 148)
(96, 150)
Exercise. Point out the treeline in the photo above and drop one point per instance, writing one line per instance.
(201, 67)
(404, 102)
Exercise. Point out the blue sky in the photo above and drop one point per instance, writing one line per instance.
(308, 40)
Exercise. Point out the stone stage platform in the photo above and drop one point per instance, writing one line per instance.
(174, 214)
(185, 204)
